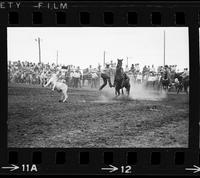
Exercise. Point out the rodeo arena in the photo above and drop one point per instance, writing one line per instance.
(109, 105)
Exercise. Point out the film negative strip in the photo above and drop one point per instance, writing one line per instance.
(128, 76)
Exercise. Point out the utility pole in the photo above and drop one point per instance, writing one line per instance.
(38, 40)
(164, 47)
(127, 59)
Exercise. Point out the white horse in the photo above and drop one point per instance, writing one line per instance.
(59, 86)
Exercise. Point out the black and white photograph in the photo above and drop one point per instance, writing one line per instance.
(98, 87)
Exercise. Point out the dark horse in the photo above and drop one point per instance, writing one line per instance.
(165, 81)
(183, 83)
(121, 79)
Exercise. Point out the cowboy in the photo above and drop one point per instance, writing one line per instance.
(105, 75)
(166, 73)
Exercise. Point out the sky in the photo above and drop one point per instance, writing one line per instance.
(84, 46)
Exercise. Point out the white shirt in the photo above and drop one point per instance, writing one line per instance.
(72, 74)
(152, 69)
(106, 71)
(94, 75)
(137, 67)
(77, 75)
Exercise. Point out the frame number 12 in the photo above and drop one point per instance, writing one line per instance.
(126, 169)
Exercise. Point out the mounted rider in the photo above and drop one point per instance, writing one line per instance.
(166, 72)
(106, 76)
(166, 75)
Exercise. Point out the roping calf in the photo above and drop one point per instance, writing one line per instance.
(59, 86)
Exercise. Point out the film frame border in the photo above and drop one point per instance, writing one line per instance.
(116, 156)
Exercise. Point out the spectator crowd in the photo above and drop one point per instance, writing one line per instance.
(39, 73)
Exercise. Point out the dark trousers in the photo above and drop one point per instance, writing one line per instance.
(105, 80)
(76, 82)
(94, 83)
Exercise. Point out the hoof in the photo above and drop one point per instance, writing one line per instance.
(60, 101)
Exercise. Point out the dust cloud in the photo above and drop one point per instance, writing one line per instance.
(141, 92)
(137, 92)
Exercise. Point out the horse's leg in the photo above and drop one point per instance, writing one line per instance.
(122, 91)
(65, 95)
(127, 90)
(115, 92)
(118, 91)
(61, 99)
(129, 87)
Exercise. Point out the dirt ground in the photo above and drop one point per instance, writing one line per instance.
(37, 119)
